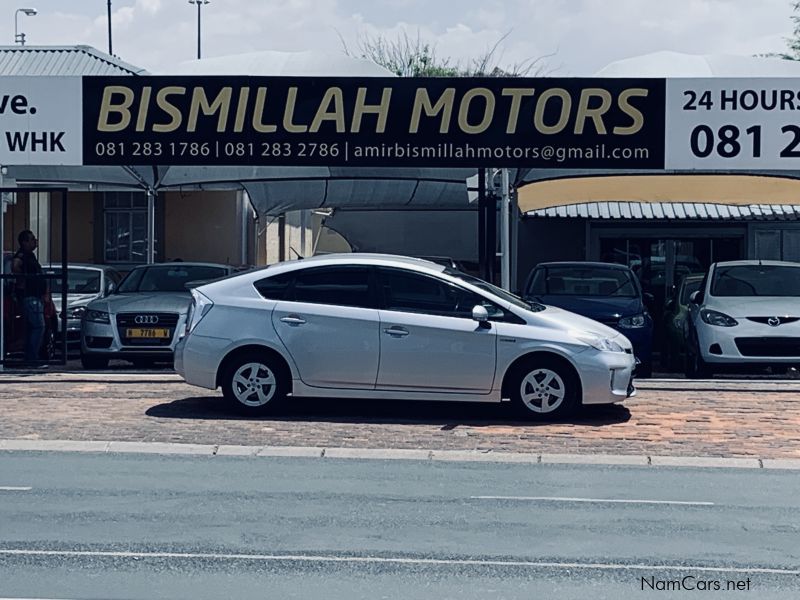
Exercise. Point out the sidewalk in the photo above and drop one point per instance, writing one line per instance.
(754, 418)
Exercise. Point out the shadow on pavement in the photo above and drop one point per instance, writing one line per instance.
(447, 414)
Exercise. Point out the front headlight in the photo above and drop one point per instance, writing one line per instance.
(76, 312)
(97, 316)
(600, 343)
(713, 317)
(634, 322)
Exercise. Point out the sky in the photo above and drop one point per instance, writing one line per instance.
(570, 37)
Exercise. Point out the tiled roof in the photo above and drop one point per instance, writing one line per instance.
(671, 211)
(62, 60)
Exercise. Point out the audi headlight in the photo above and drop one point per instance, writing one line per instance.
(97, 316)
(633, 322)
(713, 317)
(600, 343)
(76, 312)
(197, 310)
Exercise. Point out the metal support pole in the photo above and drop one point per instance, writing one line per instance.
(64, 275)
(109, 27)
(2, 272)
(505, 231)
(482, 223)
(198, 30)
(151, 226)
(514, 244)
(491, 236)
(244, 203)
(303, 223)
(282, 237)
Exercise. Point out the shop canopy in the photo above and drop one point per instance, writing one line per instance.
(273, 190)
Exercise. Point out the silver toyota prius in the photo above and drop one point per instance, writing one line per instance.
(139, 320)
(381, 326)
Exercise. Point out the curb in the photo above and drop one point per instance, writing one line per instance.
(174, 449)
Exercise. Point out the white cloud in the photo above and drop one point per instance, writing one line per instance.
(587, 34)
(150, 7)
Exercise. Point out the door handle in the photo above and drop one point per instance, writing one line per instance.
(396, 331)
(293, 320)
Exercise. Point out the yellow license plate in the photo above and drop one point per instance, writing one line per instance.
(148, 333)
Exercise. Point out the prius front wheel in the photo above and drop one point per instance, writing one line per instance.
(254, 385)
(544, 388)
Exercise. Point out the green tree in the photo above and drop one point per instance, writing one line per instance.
(407, 56)
(793, 42)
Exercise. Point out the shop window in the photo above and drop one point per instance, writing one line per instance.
(777, 244)
(124, 227)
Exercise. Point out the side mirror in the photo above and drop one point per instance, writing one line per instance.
(480, 314)
(695, 297)
(669, 305)
(648, 298)
(110, 288)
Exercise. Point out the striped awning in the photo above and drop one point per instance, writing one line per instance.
(671, 211)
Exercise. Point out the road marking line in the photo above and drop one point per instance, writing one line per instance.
(6, 488)
(592, 500)
(395, 560)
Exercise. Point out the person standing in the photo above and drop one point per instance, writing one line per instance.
(31, 290)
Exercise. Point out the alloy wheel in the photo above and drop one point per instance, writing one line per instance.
(542, 391)
(254, 384)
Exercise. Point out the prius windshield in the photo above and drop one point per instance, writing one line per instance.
(493, 289)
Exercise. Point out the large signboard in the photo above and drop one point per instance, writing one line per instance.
(733, 124)
(674, 124)
(40, 121)
(568, 123)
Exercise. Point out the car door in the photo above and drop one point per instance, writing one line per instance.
(329, 324)
(429, 341)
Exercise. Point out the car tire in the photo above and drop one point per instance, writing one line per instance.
(695, 366)
(544, 388)
(255, 384)
(93, 363)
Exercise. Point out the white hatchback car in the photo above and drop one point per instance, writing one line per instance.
(381, 326)
(746, 313)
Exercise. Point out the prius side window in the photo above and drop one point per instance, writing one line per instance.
(339, 286)
(413, 292)
(275, 287)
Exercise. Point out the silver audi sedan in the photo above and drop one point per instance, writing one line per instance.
(381, 326)
(139, 320)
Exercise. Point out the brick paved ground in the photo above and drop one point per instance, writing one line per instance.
(756, 419)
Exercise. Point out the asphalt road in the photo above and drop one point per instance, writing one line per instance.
(147, 526)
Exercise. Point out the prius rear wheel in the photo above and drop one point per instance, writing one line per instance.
(255, 384)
